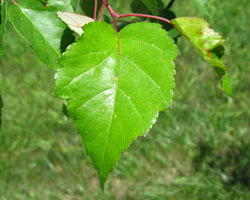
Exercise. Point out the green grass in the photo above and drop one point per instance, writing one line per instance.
(197, 150)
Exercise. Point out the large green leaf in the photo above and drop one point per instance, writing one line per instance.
(209, 43)
(42, 28)
(152, 5)
(201, 5)
(3, 20)
(116, 85)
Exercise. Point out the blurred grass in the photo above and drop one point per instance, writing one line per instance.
(197, 150)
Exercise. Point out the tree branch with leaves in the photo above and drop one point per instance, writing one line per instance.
(114, 79)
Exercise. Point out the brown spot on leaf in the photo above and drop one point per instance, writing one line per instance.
(208, 52)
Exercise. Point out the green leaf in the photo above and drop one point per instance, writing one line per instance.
(152, 5)
(209, 43)
(138, 7)
(64, 5)
(41, 27)
(3, 20)
(116, 86)
(201, 5)
(75, 4)
(74, 21)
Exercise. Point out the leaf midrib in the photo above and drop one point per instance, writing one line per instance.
(116, 88)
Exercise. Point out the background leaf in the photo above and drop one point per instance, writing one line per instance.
(115, 91)
(64, 5)
(152, 5)
(3, 20)
(137, 6)
(41, 27)
(75, 4)
(209, 43)
(201, 5)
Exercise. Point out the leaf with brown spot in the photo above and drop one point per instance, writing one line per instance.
(209, 43)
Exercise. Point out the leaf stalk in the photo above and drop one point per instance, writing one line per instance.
(147, 16)
(95, 12)
(115, 15)
(13, 1)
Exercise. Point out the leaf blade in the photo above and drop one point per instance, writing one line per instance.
(64, 5)
(40, 27)
(116, 85)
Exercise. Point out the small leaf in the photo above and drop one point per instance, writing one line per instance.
(74, 21)
(41, 27)
(3, 20)
(115, 85)
(209, 43)
(64, 5)
(152, 5)
(201, 5)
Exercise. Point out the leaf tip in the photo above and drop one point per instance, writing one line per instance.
(102, 180)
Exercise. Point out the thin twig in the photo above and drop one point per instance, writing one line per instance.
(147, 16)
(95, 12)
(169, 5)
(104, 3)
(13, 1)
(114, 15)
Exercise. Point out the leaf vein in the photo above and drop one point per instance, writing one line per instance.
(137, 112)
(74, 78)
(150, 78)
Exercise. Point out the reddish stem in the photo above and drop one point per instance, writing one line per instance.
(147, 16)
(104, 3)
(113, 15)
(95, 10)
(101, 11)
(13, 1)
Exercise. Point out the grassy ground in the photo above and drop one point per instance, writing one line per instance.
(197, 150)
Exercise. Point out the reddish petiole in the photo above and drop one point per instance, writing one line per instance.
(115, 15)
(13, 1)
